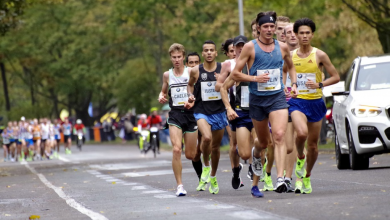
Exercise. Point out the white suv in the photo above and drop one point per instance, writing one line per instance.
(361, 114)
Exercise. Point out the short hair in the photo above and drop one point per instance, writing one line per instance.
(282, 19)
(192, 54)
(253, 22)
(177, 47)
(209, 42)
(225, 45)
(304, 22)
(261, 14)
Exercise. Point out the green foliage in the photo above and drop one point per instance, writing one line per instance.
(66, 54)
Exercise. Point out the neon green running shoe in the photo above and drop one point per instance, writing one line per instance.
(205, 177)
(298, 187)
(300, 170)
(268, 185)
(306, 189)
(201, 186)
(264, 174)
(29, 159)
(214, 189)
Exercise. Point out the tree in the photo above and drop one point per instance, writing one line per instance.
(375, 13)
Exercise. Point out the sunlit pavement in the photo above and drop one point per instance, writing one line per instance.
(117, 182)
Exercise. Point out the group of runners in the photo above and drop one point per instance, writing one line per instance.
(267, 95)
(29, 140)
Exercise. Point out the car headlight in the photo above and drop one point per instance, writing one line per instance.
(363, 111)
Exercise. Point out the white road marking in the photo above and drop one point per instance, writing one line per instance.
(138, 188)
(247, 214)
(164, 196)
(128, 166)
(155, 173)
(129, 184)
(71, 202)
(153, 191)
(218, 206)
(63, 159)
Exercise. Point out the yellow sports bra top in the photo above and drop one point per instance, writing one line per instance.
(307, 68)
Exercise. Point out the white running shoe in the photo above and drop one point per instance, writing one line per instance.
(257, 167)
(181, 191)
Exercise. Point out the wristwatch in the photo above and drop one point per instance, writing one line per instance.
(295, 84)
(321, 85)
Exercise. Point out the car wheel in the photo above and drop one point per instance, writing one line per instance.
(342, 160)
(357, 162)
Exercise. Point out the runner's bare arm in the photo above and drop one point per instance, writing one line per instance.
(242, 60)
(324, 60)
(290, 67)
(223, 75)
(229, 82)
(194, 74)
(162, 98)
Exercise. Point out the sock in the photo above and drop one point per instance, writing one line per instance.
(301, 158)
(308, 175)
(212, 177)
(197, 167)
(269, 174)
(286, 178)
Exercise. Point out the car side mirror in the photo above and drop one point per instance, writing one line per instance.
(340, 93)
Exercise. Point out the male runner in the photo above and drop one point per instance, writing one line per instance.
(209, 113)
(238, 113)
(255, 32)
(193, 59)
(281, 23)
(308, 109)
(228, 48)
(67, 130)
(181, 121)
(267, 101)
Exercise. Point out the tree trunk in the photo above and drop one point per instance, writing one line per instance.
(385, 40)
(5, 86)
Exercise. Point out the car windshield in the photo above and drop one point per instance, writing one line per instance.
(373, 77)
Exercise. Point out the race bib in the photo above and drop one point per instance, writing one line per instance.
(244, 96)
(36, 134)
(179, 95)
(302, 80)
(273, 83)
(208, 91)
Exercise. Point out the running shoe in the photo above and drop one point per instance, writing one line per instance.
(256, 192)
(281, 186)
(268, 185)
(55, 154)
(250, 172)
(298, 187)
(257, 167)
(289, 186)
(300, 170)
(214, 189)
(201, 186)
(306, 188)
(180, 191)
(236, 180)
(262, 179)
(205, 177)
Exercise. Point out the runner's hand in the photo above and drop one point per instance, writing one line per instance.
(294, 91)
(191, 98)
(231, 114)
(188, 105)
(311, 85)
(162, 98)
(263, 78)
(286, 92)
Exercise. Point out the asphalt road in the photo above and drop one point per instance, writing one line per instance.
(115, 182)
